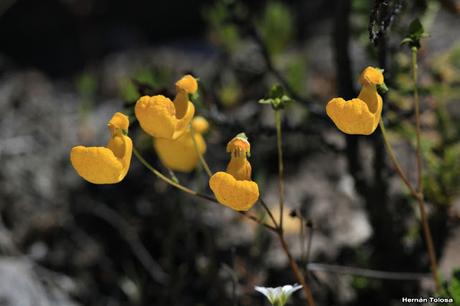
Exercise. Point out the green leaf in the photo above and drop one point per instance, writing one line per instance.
(416, 33)
(276, 98)
(406, 40)
(416, 29)
(382, 88)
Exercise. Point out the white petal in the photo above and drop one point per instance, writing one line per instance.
(263, 290)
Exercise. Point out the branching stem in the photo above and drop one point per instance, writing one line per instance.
(417, 192)
(421, 202)
(279, 144)
(193, 192)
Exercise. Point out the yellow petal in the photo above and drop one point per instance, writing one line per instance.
(105, 165)
(180, 154)
(200, 125)
(97, 165)
(157, 117)
(239, 145)
(239, 167)
(119, 121)
(370, 96)
(371, 76)
(188, 84)
(238, 195)
(182, 123)
(353, 116)
(122, 148)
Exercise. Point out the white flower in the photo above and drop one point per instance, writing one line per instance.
(280, 295)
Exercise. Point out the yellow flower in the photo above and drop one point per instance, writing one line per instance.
(360, 115)
(234, 188)
(181, 154)
(106, 165)
(162, 118)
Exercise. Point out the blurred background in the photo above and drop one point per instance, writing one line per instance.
(67, 65)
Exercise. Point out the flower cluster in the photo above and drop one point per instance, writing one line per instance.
(178, 139)
(179, 142)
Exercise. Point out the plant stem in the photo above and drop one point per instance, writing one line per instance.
(167, 179)
(173, 175)
(264, 205)
(276, 229)
(429, 244)
(295, 268)
(420, 198)
(279, 144)
(417, 120)
(202, 160)
(395, 161)
(193, 192)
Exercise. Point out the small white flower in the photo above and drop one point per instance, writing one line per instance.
(280, 295)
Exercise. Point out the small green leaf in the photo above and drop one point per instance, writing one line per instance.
(416, 33)
(382, 88)
(406, 40)
(416, 28)
(276, 98)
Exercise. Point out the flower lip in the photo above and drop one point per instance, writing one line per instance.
(239, 145)
(353, 116)
(188, 84)
(119, 121)
(371, 76)
(240, 195)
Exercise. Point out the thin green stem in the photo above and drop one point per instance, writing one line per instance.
(420, 198)
(167, 179)
(295, 268)
(202, 160)
(270, 214)
(193, 192)
(417, 120)
(429, 244)
(279, 143)
(276, 229)
(173, 175)
(395, 160)
(257, 220)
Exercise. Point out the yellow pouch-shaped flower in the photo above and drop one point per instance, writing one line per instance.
(353, 116)
(234, 188)
(360, 115)
(238, 195)
(181, 154)
(105, 165)
(162, 118)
